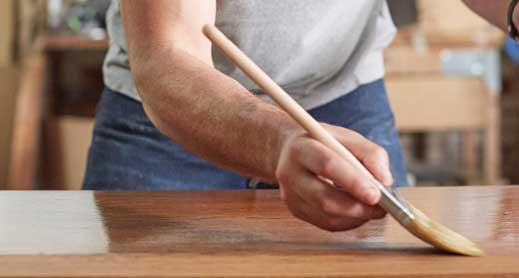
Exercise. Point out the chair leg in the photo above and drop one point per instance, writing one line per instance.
(492, 144)
(469, 156)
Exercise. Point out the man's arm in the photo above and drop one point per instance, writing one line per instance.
(495, 11)
(213, 116)
(200, 108)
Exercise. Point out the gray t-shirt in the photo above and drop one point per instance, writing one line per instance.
(316, 50)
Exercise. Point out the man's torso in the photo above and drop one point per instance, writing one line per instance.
(316, 50)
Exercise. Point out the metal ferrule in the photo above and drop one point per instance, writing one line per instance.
(394, 204)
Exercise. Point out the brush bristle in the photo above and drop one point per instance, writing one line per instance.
(440, 236)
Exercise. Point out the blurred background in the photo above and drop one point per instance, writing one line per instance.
(451, 78)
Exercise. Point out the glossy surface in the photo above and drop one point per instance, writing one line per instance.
(243, 233)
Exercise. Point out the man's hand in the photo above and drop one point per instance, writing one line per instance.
(322, 188)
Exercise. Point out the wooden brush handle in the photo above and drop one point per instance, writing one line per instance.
(288, 104)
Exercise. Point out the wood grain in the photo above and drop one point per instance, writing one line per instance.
(243, 234)
(27, 124)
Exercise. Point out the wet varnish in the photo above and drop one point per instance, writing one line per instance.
(243, 233)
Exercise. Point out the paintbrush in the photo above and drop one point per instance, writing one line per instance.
(409, 217)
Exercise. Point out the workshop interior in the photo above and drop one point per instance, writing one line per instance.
(51, 64)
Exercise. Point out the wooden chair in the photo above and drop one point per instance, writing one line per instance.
(427, 98)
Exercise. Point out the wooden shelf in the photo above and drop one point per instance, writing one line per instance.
(74, 42)
(488, 39)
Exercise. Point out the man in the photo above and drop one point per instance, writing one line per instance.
(175, 115)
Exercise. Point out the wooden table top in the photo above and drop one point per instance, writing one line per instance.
(243, 234)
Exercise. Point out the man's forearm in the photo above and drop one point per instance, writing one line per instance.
(211, 114)
(495, 11)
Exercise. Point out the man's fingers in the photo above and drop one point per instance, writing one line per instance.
(376, 161)
(374, 157)
(303, 210)
(323, 162)
(331, 201)
(379, 213)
